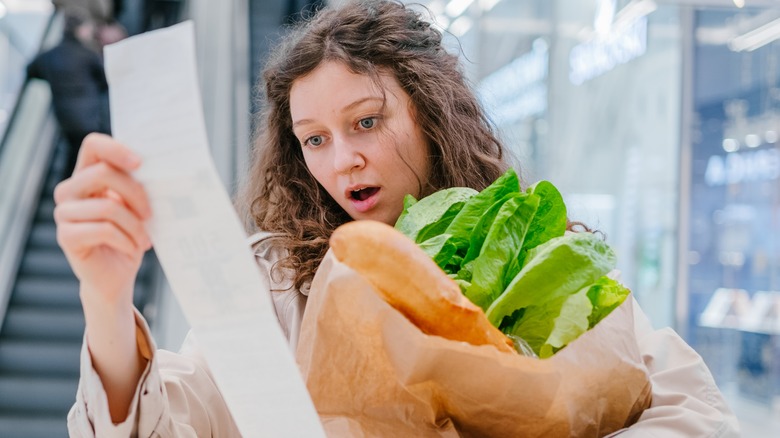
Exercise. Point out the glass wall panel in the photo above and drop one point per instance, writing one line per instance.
(613, 138)
(586, 94)
(734, 246)
(589, 95)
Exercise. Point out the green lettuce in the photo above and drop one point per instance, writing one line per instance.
(509, 252)
(431, 215)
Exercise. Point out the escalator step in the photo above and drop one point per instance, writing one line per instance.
(45, 211)
(48, 188)
(52, 262)
(37, 395)
(45, 261)
(43, 235)
(44, 324)
(53, 292)
(25, 425)
(40, 359)
(46, 292)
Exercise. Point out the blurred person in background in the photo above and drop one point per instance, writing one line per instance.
(103, 14)
(78, 83)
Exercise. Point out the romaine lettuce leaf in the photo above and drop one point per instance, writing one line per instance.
(555, 269)
(409, 200)
(440, 248)
(466, 220)
(502, 244)
(433, 212)
(605, 295)
(548, 328)
(571, 322)
(480, 231)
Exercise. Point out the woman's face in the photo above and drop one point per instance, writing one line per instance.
(364, 147)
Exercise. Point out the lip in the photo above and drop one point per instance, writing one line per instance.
(366, 204)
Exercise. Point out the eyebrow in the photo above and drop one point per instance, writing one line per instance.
(345, 109)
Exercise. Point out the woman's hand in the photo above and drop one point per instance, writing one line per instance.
(99, 214)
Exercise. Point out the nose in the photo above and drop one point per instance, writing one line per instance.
(348, 156)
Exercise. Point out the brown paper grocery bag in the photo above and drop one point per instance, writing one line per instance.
(372, 373)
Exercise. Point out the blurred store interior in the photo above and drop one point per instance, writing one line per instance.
(658, 119)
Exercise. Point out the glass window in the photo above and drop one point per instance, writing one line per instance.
(614, 135)
(589, 95)
(733, 258)
(586, 94)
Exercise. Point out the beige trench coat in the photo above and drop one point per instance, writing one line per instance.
(176, 396)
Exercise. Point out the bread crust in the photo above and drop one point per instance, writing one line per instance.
(409, 280)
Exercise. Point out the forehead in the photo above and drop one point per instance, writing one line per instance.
(332, 86)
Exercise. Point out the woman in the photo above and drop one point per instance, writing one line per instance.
(363, 105)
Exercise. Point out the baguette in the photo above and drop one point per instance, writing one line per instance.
(410, 281)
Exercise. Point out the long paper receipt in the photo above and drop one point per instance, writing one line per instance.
(156, 110)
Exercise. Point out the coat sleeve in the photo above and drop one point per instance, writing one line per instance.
(686, 401)
(176, 397)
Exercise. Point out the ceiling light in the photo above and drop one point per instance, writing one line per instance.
(756, 38)
(752, 141)
(632, 12)
(605, 15)
(730, 145)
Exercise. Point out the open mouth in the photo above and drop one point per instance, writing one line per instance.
(364, 193)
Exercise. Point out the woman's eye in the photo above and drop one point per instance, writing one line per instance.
(315, 140)
(367, 123)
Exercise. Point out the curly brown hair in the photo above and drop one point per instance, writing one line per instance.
(369, 37)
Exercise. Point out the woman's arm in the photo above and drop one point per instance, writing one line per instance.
(686, 402)
(123, 390)
(99, 214)
(175, 397)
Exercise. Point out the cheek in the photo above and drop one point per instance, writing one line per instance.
(314, 167)
(417, 150)
(419, 157)
(319, 169)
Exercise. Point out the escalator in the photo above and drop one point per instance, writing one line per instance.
(41, 335)
(41, 321)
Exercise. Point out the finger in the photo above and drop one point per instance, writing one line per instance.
(95, 180)
(104, 209)
(100, 147)
(80, 237)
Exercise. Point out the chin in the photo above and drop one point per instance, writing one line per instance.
(374, 216)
